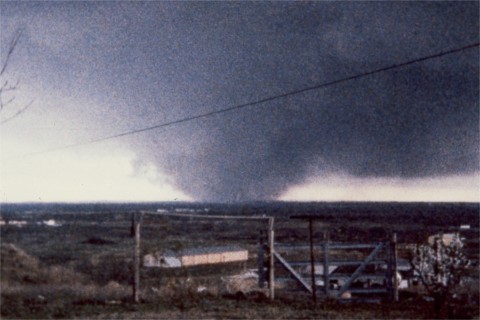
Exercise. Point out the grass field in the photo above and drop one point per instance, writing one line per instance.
(82, 266)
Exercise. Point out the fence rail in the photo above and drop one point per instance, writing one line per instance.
(332, 245)
(270, 252)
(382, 256)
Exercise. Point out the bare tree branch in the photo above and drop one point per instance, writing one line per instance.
(8, 88)
(16, 114)
(11, 48)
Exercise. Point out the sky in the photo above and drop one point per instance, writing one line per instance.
(96, 70)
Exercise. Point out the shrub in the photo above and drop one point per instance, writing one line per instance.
(440, 265)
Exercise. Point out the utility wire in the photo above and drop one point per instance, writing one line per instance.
(256, 102)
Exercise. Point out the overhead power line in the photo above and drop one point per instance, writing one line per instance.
(260, 101)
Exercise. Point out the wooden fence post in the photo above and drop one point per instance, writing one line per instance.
(312, 261)
(394, 262)
(136, 260)
(261, 262)
(389, 274)
(271, 239)
(132, 225)
(326, 248)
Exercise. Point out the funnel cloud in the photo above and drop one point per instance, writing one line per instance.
(155, 62)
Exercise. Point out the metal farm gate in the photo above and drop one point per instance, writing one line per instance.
(350, 271)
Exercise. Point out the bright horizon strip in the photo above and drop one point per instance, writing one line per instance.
(108, 174)
(454, 188)
(111, 178)
(89, 178)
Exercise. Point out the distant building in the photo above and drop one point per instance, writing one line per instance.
(167, 259)
(446, 238)
(195, 256)
(18, 223)
(51, 223)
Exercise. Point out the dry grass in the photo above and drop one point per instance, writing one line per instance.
(31, 289)
(17, 267)
(70, 276)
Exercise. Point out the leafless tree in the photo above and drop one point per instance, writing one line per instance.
(8, 108)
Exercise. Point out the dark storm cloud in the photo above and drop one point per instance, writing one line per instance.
(417, 121)
(159, 62)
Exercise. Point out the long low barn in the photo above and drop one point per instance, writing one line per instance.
(195, 256)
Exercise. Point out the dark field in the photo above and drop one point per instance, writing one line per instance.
(80, 265)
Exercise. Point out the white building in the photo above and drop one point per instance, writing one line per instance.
(195, 256)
